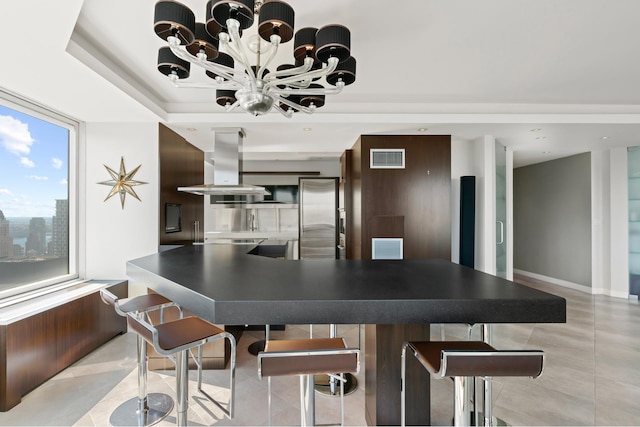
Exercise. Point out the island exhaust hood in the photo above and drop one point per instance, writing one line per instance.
(226, 159)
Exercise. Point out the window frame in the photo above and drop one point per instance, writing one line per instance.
(34, 109)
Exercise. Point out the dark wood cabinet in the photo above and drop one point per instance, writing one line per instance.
(412, 203)
(181, 164)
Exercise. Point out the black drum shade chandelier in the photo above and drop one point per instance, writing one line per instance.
(322, 62)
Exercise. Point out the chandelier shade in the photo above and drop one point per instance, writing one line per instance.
(212, 26)
(224, 60)
(276, 17)
(204, 42)
(304, 43)
(170, 64)
(333, 40)
(225, 97)
(315, 100)
(240, 10)
(239, 65)
(174, 19)
(345, 72)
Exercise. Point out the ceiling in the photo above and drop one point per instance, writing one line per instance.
(546, 78)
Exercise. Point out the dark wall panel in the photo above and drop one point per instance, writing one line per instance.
(467, 220)
(420, 193)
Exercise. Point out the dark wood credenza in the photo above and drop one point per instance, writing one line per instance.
(37, 347)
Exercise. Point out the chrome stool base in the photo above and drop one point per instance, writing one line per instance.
(257, 347)
(323, 385)
(126, 415)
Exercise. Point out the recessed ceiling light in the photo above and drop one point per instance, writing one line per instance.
(306, 129)
(605, 137)
(536, 130)
(192, 129)
(541, 137)
(422, 129)
(546, 152)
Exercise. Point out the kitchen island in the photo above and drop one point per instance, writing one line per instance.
(225, 285)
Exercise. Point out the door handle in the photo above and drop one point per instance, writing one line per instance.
(501, 232)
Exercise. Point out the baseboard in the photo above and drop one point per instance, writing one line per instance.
(610, 293)
(571, 285)
(554, 281)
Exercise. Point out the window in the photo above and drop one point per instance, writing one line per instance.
(37, 197)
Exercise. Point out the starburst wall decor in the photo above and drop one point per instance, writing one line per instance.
(122, 182)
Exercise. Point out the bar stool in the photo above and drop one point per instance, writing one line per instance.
(306, 358)
(472, 392)
(465, 360)
(328, 383)
(176, 339)
(145, 409)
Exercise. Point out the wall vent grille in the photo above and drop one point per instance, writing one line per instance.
(382, 158)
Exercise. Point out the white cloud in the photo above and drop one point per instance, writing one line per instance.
(37, 177)
(56, 163)
(24, 161)
(5, 192)
(15, 136)
(24, 207)
(64, 181)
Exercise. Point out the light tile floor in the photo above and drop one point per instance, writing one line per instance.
(591, 377)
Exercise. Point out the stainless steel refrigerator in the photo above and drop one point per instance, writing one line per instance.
(318, 210)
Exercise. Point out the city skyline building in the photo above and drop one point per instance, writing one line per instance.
(36, 244)
(6, 241)
(60, 230)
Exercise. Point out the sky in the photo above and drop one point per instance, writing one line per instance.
(34, 166)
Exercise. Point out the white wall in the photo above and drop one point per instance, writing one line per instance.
(113, 235)
(600, 206)
(619, 225)
(484, 152)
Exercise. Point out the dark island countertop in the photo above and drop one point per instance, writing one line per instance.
(226, 285)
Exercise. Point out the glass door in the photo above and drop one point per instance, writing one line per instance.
(633, 156)
(501, 210)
